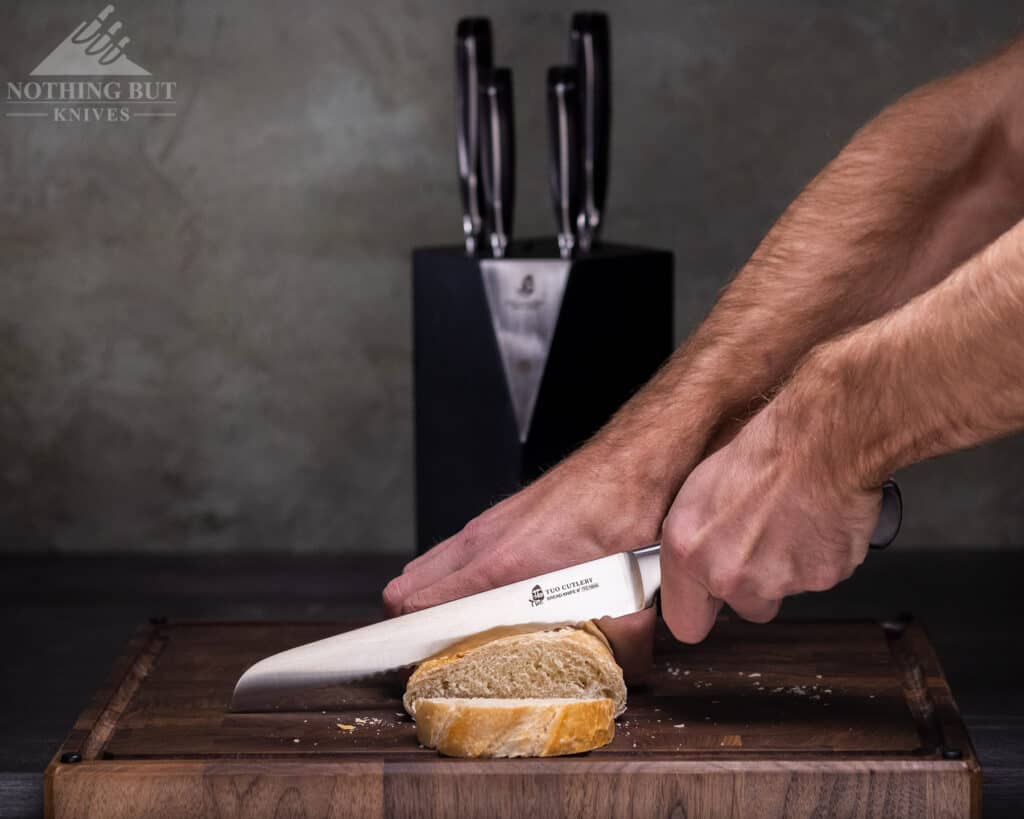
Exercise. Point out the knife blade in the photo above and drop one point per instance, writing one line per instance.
(612, 586)
(473, 59)
(563, 131)
(590, 52)
(497, 134)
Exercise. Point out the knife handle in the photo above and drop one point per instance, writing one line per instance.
(473, 58)
(497, 133)
(890, 516)
(563, 131)
(590, 51)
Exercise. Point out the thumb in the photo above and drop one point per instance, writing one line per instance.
(632, 641)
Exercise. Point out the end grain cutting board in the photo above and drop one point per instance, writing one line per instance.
(784, 720)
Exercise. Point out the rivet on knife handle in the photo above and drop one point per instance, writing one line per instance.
(473, 59)
(498, 153)
(563, 131)
(590, 49)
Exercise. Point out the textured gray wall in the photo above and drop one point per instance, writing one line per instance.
(204, 321)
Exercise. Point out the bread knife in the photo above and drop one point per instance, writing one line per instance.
(473, 59)
(590, 52)
(612, 586)
(563, 132)
(498, 155)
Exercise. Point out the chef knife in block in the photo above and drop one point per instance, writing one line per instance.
(590, 52)
(563, 132)
(612, 586)
(497, 132)
(473, 60)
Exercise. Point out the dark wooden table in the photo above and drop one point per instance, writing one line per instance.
(64, 620)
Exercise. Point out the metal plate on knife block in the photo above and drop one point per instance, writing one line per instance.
(518, 361)
(789, 719)
(524, 297)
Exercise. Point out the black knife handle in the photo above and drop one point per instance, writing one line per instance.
(590, 52)
(497, 134)
(563, 132)
(473, 59)
(890, 518)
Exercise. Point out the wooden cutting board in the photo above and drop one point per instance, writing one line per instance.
(783, 720)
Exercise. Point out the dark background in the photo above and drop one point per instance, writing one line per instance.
(204, 320)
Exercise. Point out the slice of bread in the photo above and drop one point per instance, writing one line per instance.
(514, 727)
(568, 662)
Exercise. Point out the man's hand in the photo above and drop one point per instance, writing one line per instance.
(581, 510)
(768, 515)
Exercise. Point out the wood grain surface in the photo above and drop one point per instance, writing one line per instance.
(789, 720)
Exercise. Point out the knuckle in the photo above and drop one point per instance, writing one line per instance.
(677, 536)
(726, 580)
(773, 585)
(502, 566)
(824, 576)
(416, 602)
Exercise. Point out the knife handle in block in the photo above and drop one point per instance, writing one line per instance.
(497, 133)
(648, 559)
(473, 59)
(563, 132)
(590, 52)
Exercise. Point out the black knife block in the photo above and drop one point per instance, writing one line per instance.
(613, 331)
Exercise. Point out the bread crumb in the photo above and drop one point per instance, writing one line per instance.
(345, 727)
(296, 740)
(754, 674)
(817, 676)
(680, 725)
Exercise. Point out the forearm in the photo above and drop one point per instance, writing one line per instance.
(944, 372)
(918, 190)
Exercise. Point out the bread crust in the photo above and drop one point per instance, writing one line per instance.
(514, 727)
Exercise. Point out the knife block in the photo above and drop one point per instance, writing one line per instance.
(490, 413)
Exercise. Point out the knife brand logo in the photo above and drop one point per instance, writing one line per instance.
(95, 48)
(526, 285)
(539, 595)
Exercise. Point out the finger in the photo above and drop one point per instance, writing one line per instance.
(687, 606)
(753, 608)
(632, 641)
(476, 576)
(450, 556)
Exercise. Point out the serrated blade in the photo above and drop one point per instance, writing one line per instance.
(609, 587)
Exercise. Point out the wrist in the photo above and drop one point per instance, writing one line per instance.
(823, 415)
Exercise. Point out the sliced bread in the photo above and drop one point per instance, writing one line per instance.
(480, 727)
(568, 662)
